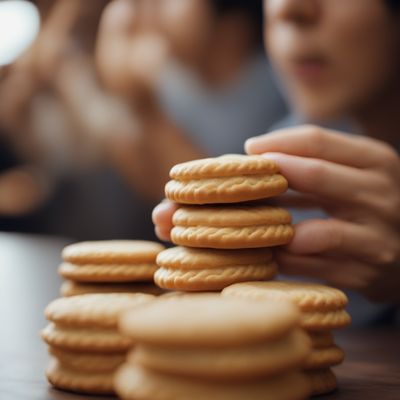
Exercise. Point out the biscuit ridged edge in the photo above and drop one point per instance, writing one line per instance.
(211, 279)
(225, 190)
(232, 237)
(94, 383)
(107, 273)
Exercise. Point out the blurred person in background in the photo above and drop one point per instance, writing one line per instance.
(41, 129)
(181, 89)
(338, 60)
(58, 119)
(196, 74)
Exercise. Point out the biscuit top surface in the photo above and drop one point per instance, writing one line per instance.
(192, 258)
(307, 296)
(207, 320)
(227, 165)
(93, 310)
(230, 216)
(112, 251)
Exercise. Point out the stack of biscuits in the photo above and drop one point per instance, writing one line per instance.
(84, 343)
(204, 346)
(322, 309)
(219, 219)
(113, 266)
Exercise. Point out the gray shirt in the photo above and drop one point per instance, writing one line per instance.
(219, 120)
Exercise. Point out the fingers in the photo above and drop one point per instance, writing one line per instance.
(312, 141)
(162, 218)
(323, 178)
(337, 271)
(342, 238)
(296, 200)
(116, 25)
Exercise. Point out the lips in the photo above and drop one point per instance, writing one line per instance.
(311, 69)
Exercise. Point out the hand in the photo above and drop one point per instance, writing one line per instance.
(356, 180)
(130, 53)
(162, 219)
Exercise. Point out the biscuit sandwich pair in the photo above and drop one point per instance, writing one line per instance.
(223, 234)
(109, 266)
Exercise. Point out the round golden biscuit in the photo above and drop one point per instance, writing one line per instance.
(93, 340)
(87, 362)
(212, 279)
(227, 364)
(309, 297)
(72, 288)
(93, 310)
(108, 272)
(133, 382)
(79, 381)
(226, 179)
(233, 227)
(112, 252)
(207, 320)
(189, 258)
(189, 269)
(325, 320)
(323, 381)
(324, 357)
(225, 165)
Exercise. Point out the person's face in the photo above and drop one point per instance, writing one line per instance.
(334, 56)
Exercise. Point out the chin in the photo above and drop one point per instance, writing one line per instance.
(317, 108)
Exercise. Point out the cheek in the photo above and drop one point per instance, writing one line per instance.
(362, 47)
(367, 61)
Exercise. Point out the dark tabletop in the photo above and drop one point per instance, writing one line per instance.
(29, 281)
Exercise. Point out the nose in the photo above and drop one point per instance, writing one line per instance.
(302, 12)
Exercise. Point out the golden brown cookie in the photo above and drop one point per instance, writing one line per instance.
(71, 288)
(233, 363)
(93, 310)
(87, 362)
(322, 381)
(94, 340)
(134, 382)
(208, 321)
(232, 227)
(325, 320)
(227, 179)
(126, 252)
(324, 357)
(89, 322)
(183, 268)
(79, 381)
(307, 296)
(108, 272)
(322, 306)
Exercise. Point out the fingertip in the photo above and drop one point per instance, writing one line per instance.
(162, 213)
(313, 237)
(163, 234)
(249, 146)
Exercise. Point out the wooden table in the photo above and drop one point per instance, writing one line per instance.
(29, 281)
